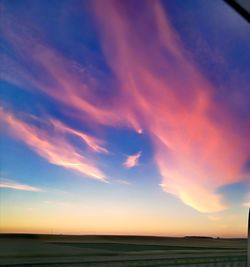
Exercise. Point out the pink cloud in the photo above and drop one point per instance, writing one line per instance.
(132, 160)
(7, 183)
(94, 143)
(160, 90)
(64, 85)
(53, 147)
(164, 93)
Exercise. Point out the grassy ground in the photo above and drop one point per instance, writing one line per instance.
(123, 247)
(115, 251)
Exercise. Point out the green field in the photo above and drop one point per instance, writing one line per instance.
(124, 251)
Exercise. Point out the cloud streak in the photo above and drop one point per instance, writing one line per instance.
(55, 76)
(10, 184)
(132, 160)
(51, 146)
(93, 143)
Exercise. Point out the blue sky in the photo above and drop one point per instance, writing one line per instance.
(124, 114)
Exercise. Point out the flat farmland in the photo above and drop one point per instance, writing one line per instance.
(123, 251)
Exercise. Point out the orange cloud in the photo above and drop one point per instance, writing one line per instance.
(53, 147)
(132, 160)
(6, 183)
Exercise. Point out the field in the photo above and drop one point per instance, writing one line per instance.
(119, 251)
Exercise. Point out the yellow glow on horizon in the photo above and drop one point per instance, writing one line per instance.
(66, 219)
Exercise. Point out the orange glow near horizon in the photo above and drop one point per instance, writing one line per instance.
(63, 218)
(138, 225)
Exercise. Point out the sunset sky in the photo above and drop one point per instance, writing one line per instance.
(124, 117)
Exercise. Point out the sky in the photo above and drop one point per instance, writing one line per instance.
(124, 117)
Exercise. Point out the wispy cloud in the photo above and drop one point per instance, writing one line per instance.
(93, 142)
(120, 181)
(7, 183)
(132, 160)
(52, 146)
(195, 146)
(59, 81)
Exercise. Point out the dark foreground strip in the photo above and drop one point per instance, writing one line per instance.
(140, 262)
